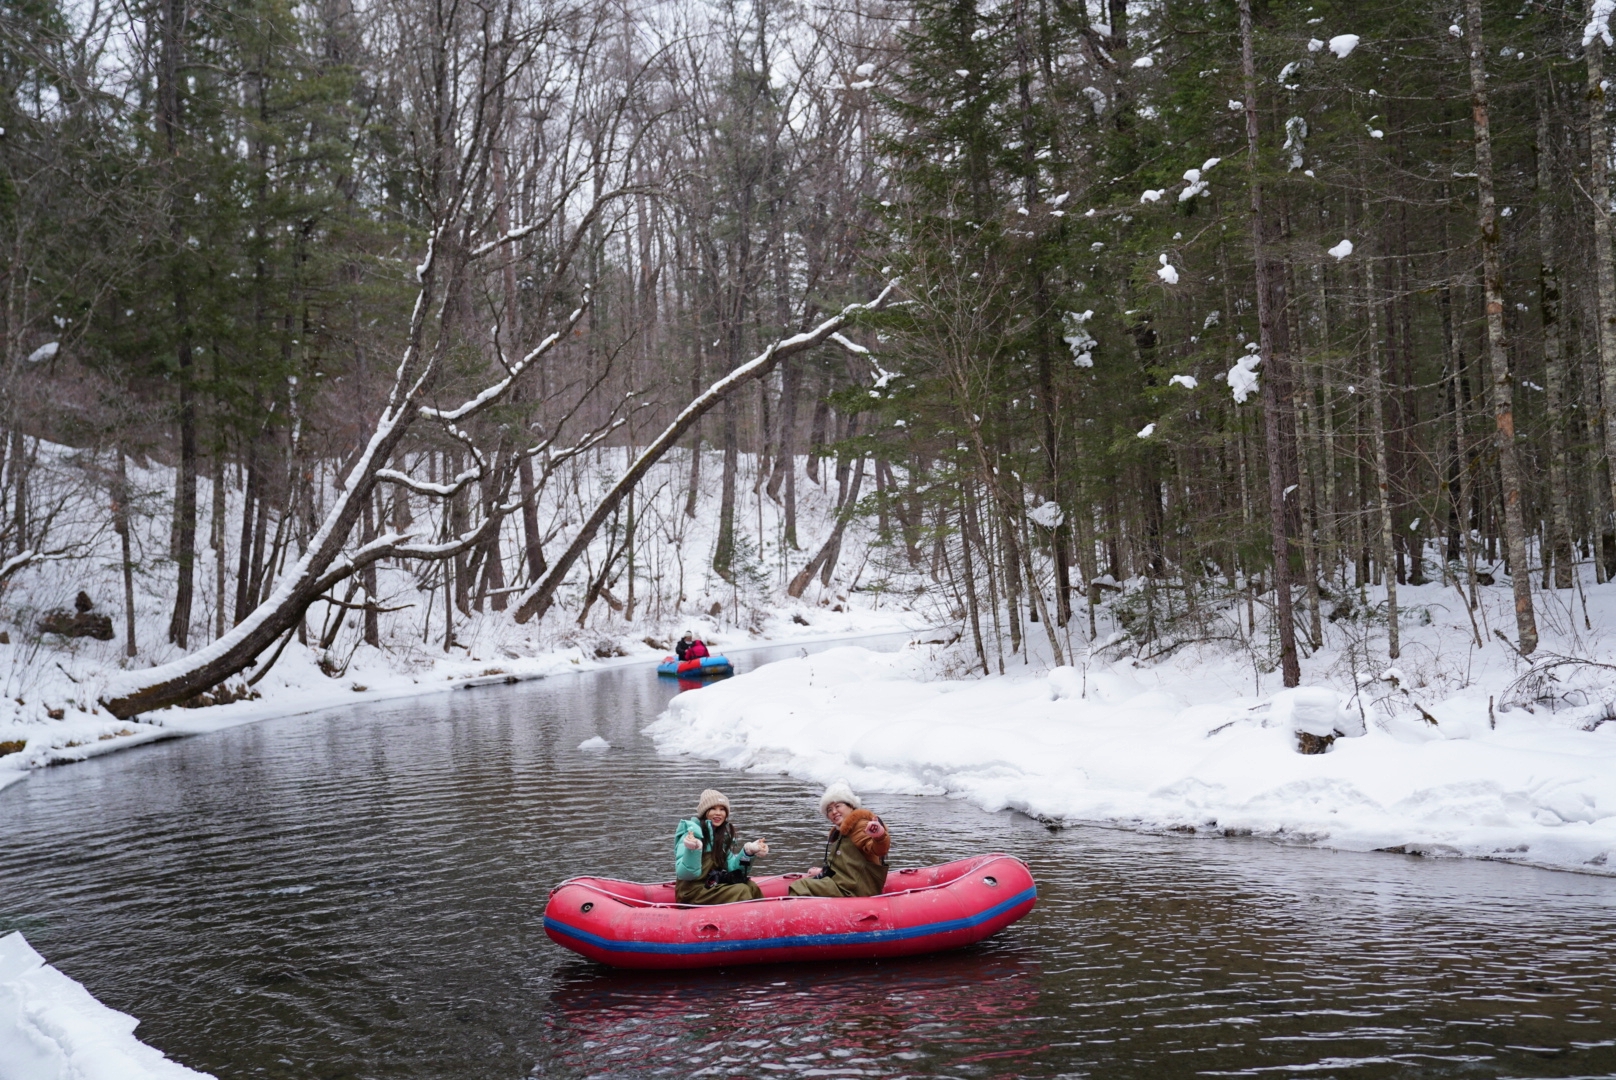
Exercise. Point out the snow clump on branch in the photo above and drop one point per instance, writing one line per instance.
(1188, 382)
(1078, 338)
(1342, 250)
(1147, 431)
(1343, 44)
(1046, 514)
(1196, 185)
(1243, 377)
(1167, 272)
(1599, 22)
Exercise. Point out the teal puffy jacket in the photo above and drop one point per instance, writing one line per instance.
(687, 862)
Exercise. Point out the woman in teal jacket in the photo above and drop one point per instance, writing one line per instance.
(707, 868)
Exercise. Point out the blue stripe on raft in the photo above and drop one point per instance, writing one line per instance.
(854, 937)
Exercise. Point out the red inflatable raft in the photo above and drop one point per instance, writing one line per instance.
(630, 925)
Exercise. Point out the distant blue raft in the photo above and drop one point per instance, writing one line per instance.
(695, 669)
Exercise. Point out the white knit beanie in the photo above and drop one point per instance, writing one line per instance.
(709, 799)
(839, 791)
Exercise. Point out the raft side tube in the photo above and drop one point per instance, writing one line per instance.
(626, 924)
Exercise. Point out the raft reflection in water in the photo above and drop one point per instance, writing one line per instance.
(975, 1010)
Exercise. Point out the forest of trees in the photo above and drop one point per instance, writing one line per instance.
(1189, 307)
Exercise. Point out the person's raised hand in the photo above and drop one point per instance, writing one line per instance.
(757, 848)
(874, 829)
(692, 841)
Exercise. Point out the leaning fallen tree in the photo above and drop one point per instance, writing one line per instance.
(536, 600)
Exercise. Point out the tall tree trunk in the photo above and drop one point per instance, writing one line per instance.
(216, 538)
(724, 550)
(1604, 258)
(1492, 272)
(970, 585)
(1377, 439)
(817, 429)
(367, 578)
(694, 488)
(784, 477)
(120, 525)
(184, 532)
(249, 505)
(1554, 365)
(1270, 323)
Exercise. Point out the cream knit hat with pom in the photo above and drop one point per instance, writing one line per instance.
(839, 791)
(709, 799)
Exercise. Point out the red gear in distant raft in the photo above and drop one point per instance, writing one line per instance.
(692, 658)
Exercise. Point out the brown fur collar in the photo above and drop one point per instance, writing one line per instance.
(853, 827)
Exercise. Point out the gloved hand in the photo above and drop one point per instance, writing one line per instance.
(756, 848)
(874, 829)
(692, 841)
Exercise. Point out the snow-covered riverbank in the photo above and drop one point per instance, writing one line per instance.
(1443, 765)
(51, 684)
(298, 685)
(51, 1028)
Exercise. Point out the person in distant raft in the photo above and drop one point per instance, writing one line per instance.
(855, 852)
(697, 650)
(707, 868)
(683, 647)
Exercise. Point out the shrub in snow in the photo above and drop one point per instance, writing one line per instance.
(1318, 711)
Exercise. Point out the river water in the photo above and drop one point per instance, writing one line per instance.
(358, 893)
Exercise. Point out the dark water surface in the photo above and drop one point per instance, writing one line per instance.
(358, 894)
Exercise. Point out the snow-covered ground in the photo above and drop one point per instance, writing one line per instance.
(52, 1029)
(1446, 753)
(50, 686)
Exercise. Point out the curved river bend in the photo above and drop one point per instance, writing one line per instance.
(357, 894)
